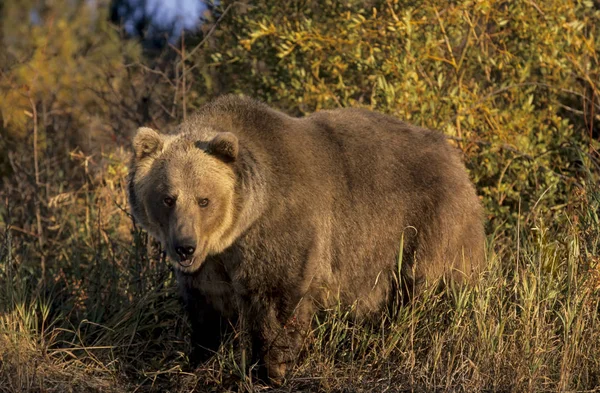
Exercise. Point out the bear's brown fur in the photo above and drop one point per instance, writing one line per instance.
(269, 218)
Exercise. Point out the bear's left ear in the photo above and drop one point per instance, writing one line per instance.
(146, 142)
(225, 145)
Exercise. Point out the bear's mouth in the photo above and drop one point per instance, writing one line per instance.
(187, 262)
(190, 264)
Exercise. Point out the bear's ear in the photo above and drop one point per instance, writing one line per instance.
(225, 145)
(146, 142)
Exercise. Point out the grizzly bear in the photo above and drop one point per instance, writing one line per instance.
(270, 218)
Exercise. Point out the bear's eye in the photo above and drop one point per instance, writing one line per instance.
(203, 202)
(168, 201)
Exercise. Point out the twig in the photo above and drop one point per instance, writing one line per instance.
(537, 7)
(516, 85)
(18, 229)
(519, 153)
(446, 40)
(38, 214)
(210, 32)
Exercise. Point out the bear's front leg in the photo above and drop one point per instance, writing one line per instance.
(276, 344)
(209, 328)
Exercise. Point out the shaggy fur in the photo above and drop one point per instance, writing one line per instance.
(301, 214)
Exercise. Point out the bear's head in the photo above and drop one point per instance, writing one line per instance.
(182, 191)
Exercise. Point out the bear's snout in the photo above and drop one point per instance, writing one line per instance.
(185, 250)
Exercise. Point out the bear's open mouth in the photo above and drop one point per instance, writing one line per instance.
(187, 262)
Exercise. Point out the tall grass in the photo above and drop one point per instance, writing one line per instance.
(106, 316)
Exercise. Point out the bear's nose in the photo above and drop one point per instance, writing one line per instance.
(185, 251)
